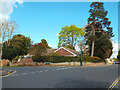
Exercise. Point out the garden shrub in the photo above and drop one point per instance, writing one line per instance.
(53, 54)
(59, 59)
(8, 64)
(16, 58)
(97, 59)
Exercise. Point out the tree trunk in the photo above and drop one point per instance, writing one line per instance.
(72, 43)
(93, 42)
(92, 51)
(1, 51)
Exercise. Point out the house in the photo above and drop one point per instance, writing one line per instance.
(62, 51)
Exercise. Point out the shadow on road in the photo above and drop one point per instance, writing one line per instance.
(82, 83)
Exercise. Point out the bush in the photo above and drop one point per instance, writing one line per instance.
(115, 59)
(59, 59)
(53, 54)
(9, 53)
(53, 59)
(16, 58)
(97, 59)
(8, 64)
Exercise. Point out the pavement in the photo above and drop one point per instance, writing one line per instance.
(62, 77)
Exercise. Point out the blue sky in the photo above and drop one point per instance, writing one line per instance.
(44, 20)
(39, 20)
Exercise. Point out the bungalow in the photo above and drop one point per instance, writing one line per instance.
(62, 51)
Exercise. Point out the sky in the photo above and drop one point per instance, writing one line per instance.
(44, 20)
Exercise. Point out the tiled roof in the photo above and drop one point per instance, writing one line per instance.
(49, 51)
(75, 52)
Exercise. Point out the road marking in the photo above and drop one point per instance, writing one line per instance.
(32, 72)
(58, 69)
(39, 71)
(23, 73)
(62, 68)
(114, 83)
(66, 68)
(46, 70)
(9, 74)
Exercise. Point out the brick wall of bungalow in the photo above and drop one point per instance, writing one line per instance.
(63, 52)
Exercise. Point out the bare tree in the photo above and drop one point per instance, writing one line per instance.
(6, 32)
(11, 27)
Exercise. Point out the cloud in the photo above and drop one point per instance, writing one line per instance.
(20, 1)
(15, 6)
(57, 34)
(115, 49)
(6, 8)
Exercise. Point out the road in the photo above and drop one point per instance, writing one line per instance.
(61, 77)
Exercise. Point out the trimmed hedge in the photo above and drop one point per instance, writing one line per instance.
(59, 59)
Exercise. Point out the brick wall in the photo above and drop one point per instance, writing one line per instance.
(26, 60)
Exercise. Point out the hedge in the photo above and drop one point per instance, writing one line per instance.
(59, 59)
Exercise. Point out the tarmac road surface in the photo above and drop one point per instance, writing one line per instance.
(62, 77)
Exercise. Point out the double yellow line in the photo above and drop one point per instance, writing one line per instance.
(114, 83)
(8, 74)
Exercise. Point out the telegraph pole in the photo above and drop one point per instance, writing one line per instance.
(81, 55)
